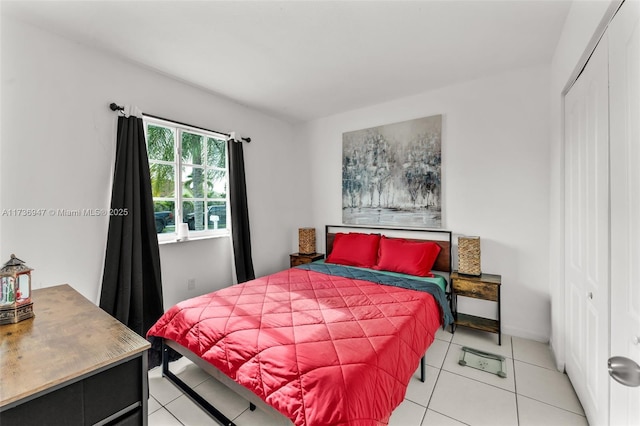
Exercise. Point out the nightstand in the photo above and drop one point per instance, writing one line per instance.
(484, 287)
(300, 259)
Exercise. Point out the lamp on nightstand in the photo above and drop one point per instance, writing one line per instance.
(469, 256)
(307, 240)
(15, 292)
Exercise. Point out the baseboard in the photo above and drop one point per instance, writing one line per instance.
(525, 334)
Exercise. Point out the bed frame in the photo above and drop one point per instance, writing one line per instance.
(254, 400)
(442, 264)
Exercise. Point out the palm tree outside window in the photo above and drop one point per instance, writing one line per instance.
(189, 178)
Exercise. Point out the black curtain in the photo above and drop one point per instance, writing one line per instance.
(132, 283)
(239, 213)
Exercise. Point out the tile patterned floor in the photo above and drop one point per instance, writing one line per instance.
(534, 392)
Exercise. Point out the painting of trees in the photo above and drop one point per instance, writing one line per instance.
(391, 174)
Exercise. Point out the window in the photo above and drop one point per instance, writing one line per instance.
(189, 178)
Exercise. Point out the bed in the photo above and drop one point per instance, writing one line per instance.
(333, 342)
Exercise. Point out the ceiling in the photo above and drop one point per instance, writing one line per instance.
(301, 60)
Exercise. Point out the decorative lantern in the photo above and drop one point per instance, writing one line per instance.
(469, 256)
(15, 292)
(307, 240)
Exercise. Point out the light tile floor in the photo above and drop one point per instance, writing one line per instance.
(533, 393)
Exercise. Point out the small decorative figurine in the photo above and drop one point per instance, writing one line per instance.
(15, 292)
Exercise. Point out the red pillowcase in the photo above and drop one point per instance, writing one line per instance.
(354, 249)
(407, 257)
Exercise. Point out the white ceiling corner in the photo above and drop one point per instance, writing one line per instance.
(301, 60)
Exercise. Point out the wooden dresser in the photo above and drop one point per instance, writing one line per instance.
(72, 364)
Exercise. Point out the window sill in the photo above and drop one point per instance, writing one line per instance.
(175, 239)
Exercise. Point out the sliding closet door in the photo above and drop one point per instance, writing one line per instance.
(587, 235)
(624, 66)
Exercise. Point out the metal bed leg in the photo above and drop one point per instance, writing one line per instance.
(192, 394)
(422, 372)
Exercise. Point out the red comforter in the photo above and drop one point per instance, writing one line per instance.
(321, 349)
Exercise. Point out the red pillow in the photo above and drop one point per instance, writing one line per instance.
(354, 249)
(407, 257)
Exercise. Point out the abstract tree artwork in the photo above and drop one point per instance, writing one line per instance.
(391, 174)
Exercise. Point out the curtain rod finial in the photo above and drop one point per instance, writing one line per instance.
(115, 107)
(234, 136)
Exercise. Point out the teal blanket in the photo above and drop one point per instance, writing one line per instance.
(373, 276)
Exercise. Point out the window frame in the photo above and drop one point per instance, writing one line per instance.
(177, 130)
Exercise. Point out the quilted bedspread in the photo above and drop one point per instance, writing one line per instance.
(322, 349)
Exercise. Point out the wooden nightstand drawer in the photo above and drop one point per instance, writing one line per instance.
(479, 290)
(297, 259)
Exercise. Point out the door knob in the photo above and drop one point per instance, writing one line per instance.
(590, 295)
(625, 371)
(635, 340)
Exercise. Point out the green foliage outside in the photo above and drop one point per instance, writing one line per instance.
(205, 168)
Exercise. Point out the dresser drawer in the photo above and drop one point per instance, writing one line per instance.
(479, 290)
(87, 401)
(60, 407)
(112, 390)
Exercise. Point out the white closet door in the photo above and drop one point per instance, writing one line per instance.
(587, 235)
(624, 66)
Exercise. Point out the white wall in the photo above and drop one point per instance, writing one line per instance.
(206, 261)
(579, 29)
(495, 161)
(58, 144)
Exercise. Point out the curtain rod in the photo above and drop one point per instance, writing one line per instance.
(115, 107)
